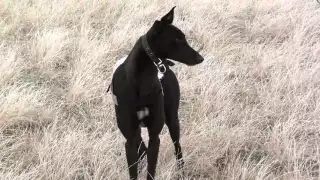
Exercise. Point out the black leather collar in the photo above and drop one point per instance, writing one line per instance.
(158, 62)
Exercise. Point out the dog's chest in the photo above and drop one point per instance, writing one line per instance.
(143, 112)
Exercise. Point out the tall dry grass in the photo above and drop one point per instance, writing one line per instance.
(251, 110)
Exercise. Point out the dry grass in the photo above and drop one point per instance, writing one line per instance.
(250, 111)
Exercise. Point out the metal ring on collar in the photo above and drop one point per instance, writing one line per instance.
(160, 62)
(162, 66)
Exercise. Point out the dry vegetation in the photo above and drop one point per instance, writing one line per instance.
(250, 111)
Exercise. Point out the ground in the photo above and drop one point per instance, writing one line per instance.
(251, 110)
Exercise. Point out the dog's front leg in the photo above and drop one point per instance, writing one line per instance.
(132, 158)
(154, 129)
(152, 155)
(128, 126)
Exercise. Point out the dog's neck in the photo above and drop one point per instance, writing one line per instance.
(139, 67)
(139, 63)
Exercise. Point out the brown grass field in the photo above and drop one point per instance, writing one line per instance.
(250, 111)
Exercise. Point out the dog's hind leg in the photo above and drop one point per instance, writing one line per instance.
(172, 122)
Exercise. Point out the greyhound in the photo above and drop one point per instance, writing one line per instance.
(146, 92)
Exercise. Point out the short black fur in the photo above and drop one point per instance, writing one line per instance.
(136, 85)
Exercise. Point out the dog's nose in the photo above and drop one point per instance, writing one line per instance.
(200, 59)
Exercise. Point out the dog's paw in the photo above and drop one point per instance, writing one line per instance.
(180, 163)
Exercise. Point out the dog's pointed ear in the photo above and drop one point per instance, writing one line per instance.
(168, 18)
(157, 27)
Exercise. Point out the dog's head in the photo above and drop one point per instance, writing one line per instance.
(167, 41)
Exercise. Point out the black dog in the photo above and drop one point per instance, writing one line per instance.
(136, 87)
